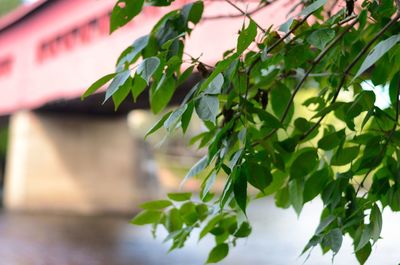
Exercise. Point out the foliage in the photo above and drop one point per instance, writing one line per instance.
(344, 150)
(8, 5)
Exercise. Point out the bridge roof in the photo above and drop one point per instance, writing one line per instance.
(54, 50)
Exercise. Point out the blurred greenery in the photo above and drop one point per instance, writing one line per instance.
(8, 5)
(3, 141)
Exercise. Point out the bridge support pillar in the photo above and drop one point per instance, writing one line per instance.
(76, 164)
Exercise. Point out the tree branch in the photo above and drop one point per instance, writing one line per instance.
(315, 62)
(350, 67)
(252, 12)
(245, 14)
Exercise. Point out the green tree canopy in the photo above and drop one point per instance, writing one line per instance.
(344, 150)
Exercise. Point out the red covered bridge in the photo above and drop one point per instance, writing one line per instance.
(50, 52)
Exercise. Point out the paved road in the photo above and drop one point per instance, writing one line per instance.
(277, 239)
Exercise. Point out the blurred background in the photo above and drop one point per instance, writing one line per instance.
(72, 172)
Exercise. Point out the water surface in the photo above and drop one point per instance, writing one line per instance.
(278, 238)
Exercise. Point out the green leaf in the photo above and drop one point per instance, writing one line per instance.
(98, 84)
(315, 240)
(268, 120)
(363, 254)
(119, 95)
(258, 176)
(188, 213)
(132, 52)
(218, 253)
(331, 140)
(393, 87)
(158, 125)
(246, 37)
(146, 217)
(186, 117)
(304, 163)
(180, 196)
(159, 2)
(333, 240)
(139, 84)
(226, 193)
(315, 184)
(123, 12)
(174, 221)
(162, 94)
(173, 119)
(365, 100)
(320, 38)
(280, 96)
(210, 225)
(185, 75)
(240, 188)
(296, 187)
(197, 168)
(118, 81)
(219, 68)
(365, 237)
(147, 68)
(207, 108)
(278, 179)
(243, 231)
(377, 52)
(297, 55)
(285, 27)
(325, 223)
(394, 199)
(328, 109)
(343, 156)
(214, 87)
(155, 205)
(312, 8)
(302, 124)
(207, 184)
(282, 198)
(376, 223)
(192, 12)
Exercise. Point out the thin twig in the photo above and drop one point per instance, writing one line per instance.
(245, 14)
(347, 19)
(196, 60)
(252, 12)
(350, 67)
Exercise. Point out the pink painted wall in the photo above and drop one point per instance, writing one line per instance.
(32, 74)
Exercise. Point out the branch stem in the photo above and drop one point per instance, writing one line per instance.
(315, 62)
(252, 12)
(245, 14)
(350, 67)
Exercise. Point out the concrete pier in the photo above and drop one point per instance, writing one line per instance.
(77, 164)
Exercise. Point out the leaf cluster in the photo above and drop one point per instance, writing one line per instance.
(343, 148)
